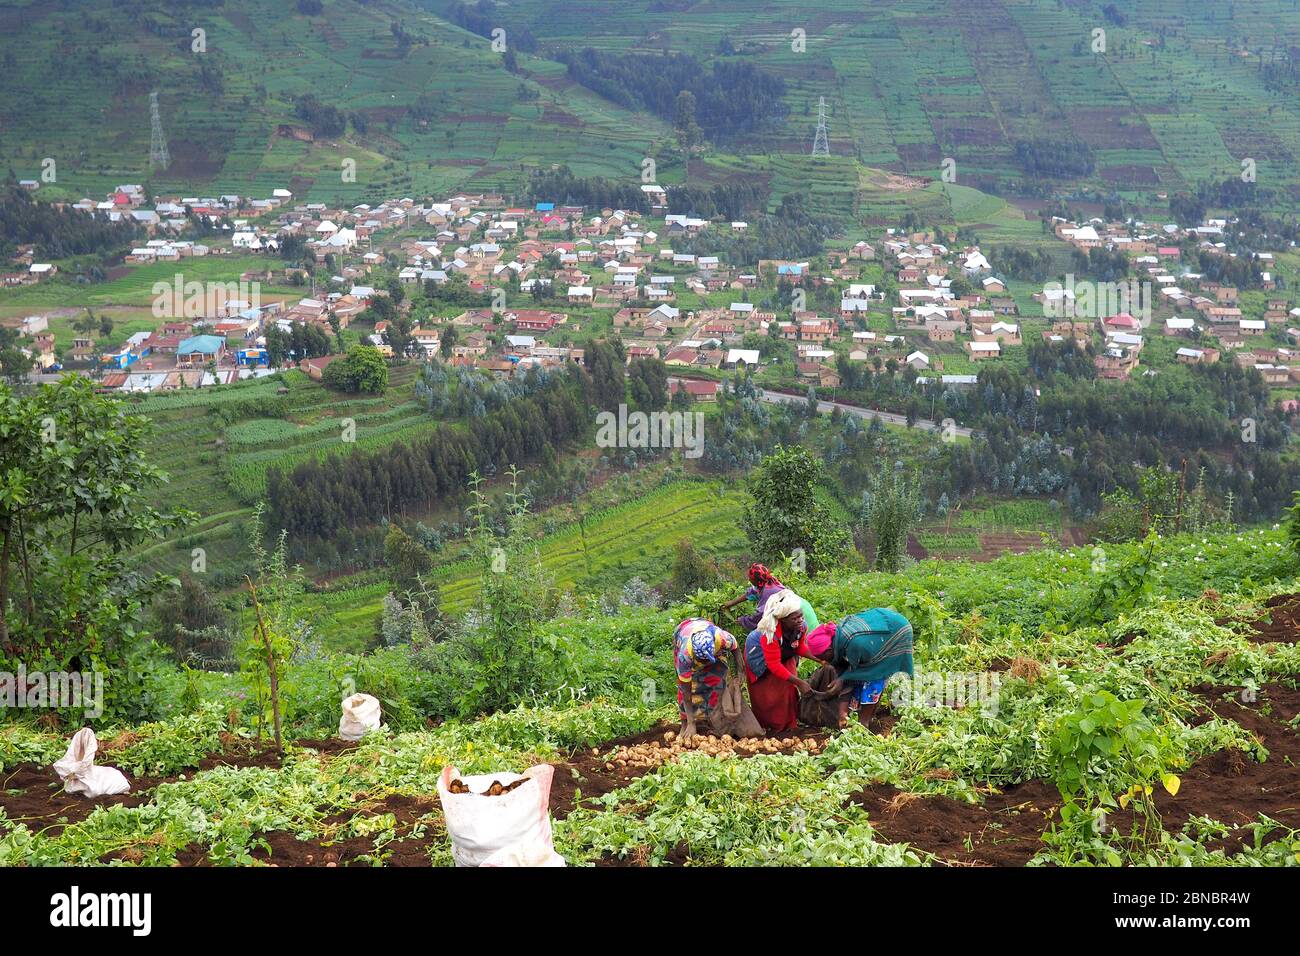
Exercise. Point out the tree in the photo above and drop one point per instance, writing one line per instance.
(398, 336)
(14, 365)
(688, 130)
(74, 498)
(648, 382)
(608, 373)
(409, 563)
(447, 341)
(336, 326)
(890, 508)
(363, 369)
(192, 623)
(691, 571)
(785, 516)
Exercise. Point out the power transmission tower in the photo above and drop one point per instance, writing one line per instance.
(158, 155)
(821, 145)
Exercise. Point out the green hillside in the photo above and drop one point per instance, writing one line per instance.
(226, 111)
(1182, 94)
(1168, 721)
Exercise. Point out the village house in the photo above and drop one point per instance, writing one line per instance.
(816, 330)
(1008, 333)
(1116, 363)
(1191, 356)
(536, 320)
(979, 351)
(700, 390)
(473, 346)
(200, 350)
(1274, 375)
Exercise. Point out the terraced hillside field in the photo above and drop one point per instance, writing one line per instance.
(609, 548)
(1181, 92)
(217, 447)
(1187, 754)
(229, 110)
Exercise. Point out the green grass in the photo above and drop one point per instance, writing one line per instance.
(633, 539)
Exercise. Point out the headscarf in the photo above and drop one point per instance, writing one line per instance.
(702, 639)
(761, 577)
(781, 604)
(820, 638)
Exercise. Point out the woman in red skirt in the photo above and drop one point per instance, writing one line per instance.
(772, 653)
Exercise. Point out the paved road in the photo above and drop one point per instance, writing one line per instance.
(889, 417)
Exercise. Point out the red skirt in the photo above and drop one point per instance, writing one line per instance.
(775, 703)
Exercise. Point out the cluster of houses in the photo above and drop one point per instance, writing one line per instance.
(1206, 311)
(945, 301)
(23, 269)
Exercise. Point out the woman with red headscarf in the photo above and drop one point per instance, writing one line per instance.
(762, 585)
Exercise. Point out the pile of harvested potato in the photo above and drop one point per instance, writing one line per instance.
(654, 753)
(495, 790)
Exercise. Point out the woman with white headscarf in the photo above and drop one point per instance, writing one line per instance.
(772, 653)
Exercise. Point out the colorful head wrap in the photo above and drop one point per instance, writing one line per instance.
(761, 577)
(819, 638)
(701, 638)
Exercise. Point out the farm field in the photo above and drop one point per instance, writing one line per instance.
(135, 286)
(1178, 98)
(611, 546)
(1193, 686)
(984, 532)
(230, 442)
(488, 123)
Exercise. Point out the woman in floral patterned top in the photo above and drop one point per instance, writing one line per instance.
(700, 651)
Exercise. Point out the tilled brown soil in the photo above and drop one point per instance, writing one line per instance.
(34, 795)
(404, 850)
(1229, 786)
(1281, 622)
(1005, 830)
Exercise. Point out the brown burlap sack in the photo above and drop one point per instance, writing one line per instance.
(733, 714)
(816, 712)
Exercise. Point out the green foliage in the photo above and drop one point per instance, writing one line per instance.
(1104, 746)
(784, 514)
(75, 494)
(276, 633)
(1120, 590)
(891, 507)
(1293, 521)
(1162, 505)
(363, 369)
